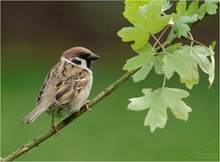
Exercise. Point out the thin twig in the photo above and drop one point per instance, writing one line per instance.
(161, 35)
(36, 141)
(190, 38)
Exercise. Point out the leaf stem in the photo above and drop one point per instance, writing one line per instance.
(164, 81)
(161, 35)
(164, 77)
(190, 38)
(158, 42)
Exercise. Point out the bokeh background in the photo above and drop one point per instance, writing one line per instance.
(34, 34)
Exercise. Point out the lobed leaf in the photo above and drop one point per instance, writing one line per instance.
(146, 19)
(182, 18)
(144, 61)
(155, 22)
(145, 54)
(201, 11)
(184, 61)
(199, 54)
(173, 98)
(180, 8)
(140, 37)
(210, 7)
(135, 17)
(192, 9)
(137, 61)
(184, 65)
(157, 102)
(142, 73)
(181, 25)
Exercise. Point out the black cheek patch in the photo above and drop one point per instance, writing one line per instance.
(74, 60)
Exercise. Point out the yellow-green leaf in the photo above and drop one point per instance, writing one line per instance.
(139, 36)
(184, 65)
(157, 101)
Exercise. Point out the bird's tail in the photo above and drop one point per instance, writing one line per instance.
(32, 115)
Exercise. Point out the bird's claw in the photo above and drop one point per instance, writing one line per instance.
(87, 106)
(54, 126)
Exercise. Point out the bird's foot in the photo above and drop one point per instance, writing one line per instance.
(54, 126)
(87, 106)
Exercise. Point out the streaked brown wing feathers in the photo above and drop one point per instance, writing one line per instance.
(69, 87)
(64, 81)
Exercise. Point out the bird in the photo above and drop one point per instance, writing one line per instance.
(66, 86)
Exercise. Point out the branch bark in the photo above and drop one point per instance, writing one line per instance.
(36, 141)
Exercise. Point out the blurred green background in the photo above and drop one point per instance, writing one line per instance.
(34, 34)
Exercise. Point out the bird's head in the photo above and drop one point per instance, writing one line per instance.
(80, 55)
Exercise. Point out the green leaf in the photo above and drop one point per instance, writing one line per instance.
(200, 53)
(145, 54)
(173, 97)
(157, 102)
(144, 61)
(183, 18)
(158, 64)
(212, 65)
(142, 73)
(180, 8)
(173, 47)
(138, 33)
(155, 22)
(146, 18)
(181, 25)
(135, 17)
(146, 49)
(137, 2)
(166, 5)
(193, 7)
(213, 45)
(201, 11)
(133, 34)
(182, 11)
(137, 61)
(184, 65)
(210, 7)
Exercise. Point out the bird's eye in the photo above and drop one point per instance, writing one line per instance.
(80, 55)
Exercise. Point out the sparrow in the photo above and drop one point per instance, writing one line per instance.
(66, 87)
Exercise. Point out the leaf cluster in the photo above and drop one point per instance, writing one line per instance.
(149, 18)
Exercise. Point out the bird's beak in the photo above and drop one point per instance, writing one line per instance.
(93, 56)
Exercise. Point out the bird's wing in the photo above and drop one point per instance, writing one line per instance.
(63, 83)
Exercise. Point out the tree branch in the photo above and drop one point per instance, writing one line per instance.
(36, 141)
